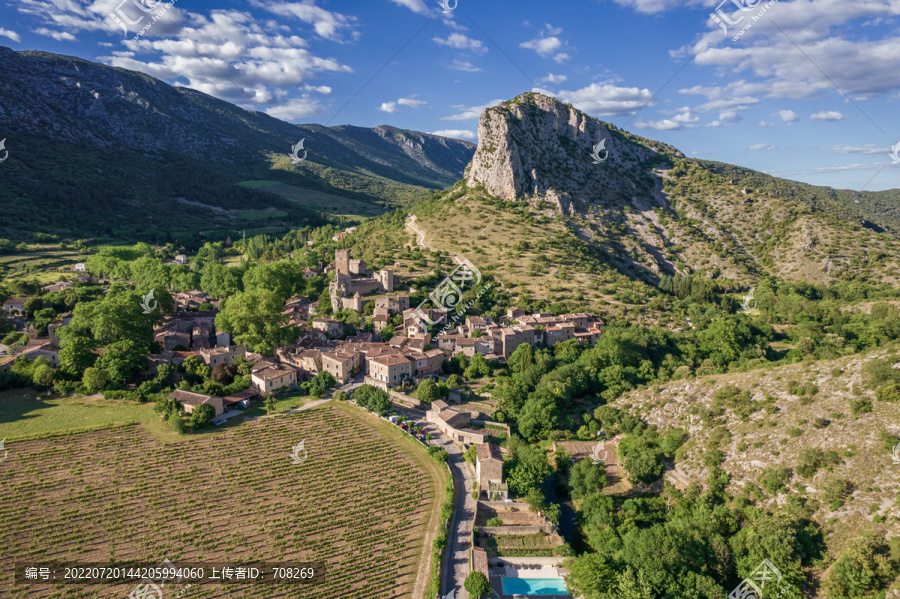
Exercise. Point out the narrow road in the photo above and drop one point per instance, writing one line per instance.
(456, 557)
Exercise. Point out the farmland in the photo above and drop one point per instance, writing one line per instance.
(319, 200)
(362, 503)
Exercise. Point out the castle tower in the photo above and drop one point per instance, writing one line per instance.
(387, 279)
(342, 261)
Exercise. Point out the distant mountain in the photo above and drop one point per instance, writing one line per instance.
(553, 191)
(109, 141)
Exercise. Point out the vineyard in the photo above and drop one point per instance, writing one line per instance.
(362, 503)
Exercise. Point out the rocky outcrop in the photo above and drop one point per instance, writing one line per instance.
(536, 147)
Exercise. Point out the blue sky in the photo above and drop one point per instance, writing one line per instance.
(809, 91)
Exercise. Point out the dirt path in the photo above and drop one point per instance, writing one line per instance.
(420, 237)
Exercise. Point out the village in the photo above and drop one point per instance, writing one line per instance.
(397, 366)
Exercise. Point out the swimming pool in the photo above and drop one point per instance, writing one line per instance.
(534, 586)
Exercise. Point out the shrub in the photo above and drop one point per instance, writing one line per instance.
(835, 492)
(774, 478)
(794, 432)
(495, 522)
(860, 406)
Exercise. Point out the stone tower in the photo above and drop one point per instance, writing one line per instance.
(386, 276)
(342, 261)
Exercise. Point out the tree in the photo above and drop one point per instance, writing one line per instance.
(586, 477)
(592, 575)
(428, 391)
(43, 375)
(271, 403)
(255, 318)
(372, 398)
(281, 278)
(202, 416)
(94, 379)
(220, 281)
(121, 361)
(196, 369)
(321, 384)
(471, 453)
(528, 469)
(120, 317)
(76, 355)
(477, 584)
(478, 367)
(541, 413)
(177, 423)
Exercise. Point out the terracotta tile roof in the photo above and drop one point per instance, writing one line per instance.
(488, 451)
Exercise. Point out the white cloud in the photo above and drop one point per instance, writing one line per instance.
(826, 115)
(604, 99)
(548, 44)
(10, 34)
(762, 147)
(651, 6)
(231, 55)
(683, 119)
(543, 45)
(470, 112)
(461, 42)
(551, 78)
(766, 124)
(788, 116)
(296, 108)
(860, 65)
(726, 118)
(457, 134)
(417, 6)
(868, 149)
(464, 65)
(391, 107)
(735, 96)
(327, 24)
(61, 36)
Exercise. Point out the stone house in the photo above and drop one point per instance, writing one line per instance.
(222, 355)
(191, 401)
(489, 471)
(390, 369)
(331, 327)
(273, 377)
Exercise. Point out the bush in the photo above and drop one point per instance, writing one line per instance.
(774, 478)
(438, 453)
(202, 416)
(794, 432)
(835, 492)
(495, 522)
(860, 406)
(477, 584)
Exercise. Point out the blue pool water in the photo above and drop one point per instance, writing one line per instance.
(534, 586)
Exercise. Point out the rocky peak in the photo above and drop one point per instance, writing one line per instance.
(536, 147)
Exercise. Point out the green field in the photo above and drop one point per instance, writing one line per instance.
(44, 262)
(319, 200)
(25, 414)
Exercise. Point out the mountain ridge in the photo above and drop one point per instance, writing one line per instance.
(125, 125)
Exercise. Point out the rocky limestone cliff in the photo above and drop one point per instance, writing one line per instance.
(537, 147)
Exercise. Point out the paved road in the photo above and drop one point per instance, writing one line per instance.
(456, 557)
